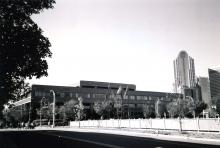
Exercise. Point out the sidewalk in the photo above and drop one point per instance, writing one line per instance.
(191, 137)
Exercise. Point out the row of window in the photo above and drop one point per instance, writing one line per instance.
(137, 105)
(99, 96)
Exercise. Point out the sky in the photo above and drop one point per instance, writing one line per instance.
(129, 41)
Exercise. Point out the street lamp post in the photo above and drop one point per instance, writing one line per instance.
(41, 102)
(54, 101)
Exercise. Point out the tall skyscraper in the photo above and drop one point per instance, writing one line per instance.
(214, 77)
(184, 72)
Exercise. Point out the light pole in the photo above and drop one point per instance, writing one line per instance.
(41, 109)
(54, 101)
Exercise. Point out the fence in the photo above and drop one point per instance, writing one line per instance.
(197, 124)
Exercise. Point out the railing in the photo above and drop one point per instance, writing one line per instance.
(197, 124)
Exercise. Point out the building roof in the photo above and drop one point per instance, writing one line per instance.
(95, 84)
(183, 54)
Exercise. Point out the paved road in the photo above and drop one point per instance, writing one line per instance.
(65, 139)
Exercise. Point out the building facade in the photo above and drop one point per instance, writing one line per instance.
(204, 84)
(184, 72)
(91, 91)
(214, 77)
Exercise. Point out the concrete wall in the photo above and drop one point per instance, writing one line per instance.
(163, 124)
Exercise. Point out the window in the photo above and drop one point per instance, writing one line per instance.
(88, 95)
(155, 98)
(139, 97)
(62, 95)
(99, 96)
(174, 100)
(132, 97)
(36, 93)
(111, 96)
(139, 105)
(71, 95)
(126, 97)
(47, 94)
(40, 94)
(125, 105)
(118, 96)
(168, 99)
(131, 105)
(145, 97)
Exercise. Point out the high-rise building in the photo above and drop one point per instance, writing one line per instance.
(184, 72)
(205, 89)
(214, 77)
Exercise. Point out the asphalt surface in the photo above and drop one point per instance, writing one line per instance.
(66, 139)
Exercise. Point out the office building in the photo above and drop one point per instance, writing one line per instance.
(91, 91)
(214, 77)
(204, 84)
(184, 72)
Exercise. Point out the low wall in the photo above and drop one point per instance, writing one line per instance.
(196, 124)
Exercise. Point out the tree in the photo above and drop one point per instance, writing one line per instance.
(68, 111)
(80, 109)
(199, 107)
(13, 116)
(23, 48)
(98, 108)
(102, 108)
(172, 109)
(46, 112)
(148, 111)
(189, 107)
(118, 105)
(178, 108)
(192, 108)
(185, 108)
(160, 108)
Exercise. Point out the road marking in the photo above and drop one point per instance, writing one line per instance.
(83, 140)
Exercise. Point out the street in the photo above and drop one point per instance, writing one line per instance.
(66, 139)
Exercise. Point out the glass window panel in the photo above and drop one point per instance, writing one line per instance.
(132, 97)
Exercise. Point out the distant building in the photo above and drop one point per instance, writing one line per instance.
(91, 91)
(205, 89)
(184, 72)
(214, 77)
(194, 93)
